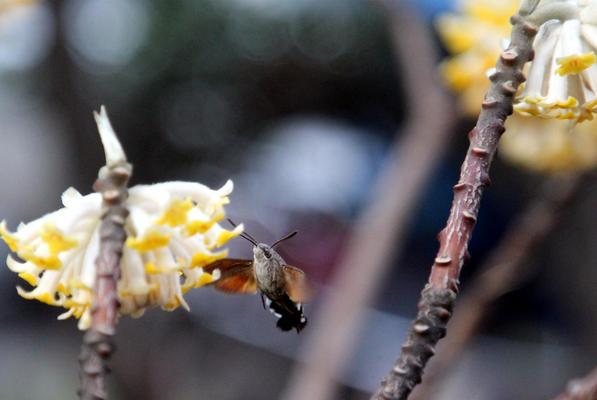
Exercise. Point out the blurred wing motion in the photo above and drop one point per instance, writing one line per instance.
(297, 286)
(236, 276)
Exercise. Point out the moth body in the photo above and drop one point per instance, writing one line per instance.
(268, 271)
(272, 284)
(282, 287)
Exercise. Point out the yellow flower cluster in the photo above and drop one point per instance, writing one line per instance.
(172, 230)
(559, 86)
(562, 77)
(474, 37)
(549, 145)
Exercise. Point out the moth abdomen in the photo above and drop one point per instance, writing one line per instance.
(290, 314)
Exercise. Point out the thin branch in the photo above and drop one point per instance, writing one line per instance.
(438, 296)
(97, 344)
(381, 227)
(582, 388)
(505, 268)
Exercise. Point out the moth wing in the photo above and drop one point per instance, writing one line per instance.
(242, 282)
(227, 265)
(297, 286)
(236, 276)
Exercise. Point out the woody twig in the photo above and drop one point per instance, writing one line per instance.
(505, 267)
(438, 296)
(97, 344)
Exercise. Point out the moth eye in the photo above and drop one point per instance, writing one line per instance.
(267, 254)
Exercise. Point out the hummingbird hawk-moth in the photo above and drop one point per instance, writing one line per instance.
(283, 288)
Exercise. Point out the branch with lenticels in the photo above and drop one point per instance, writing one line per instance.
(97, 344)
(438, 296)
(506, 267)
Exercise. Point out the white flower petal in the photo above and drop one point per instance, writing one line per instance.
(69, 196)
(171, 227)
(112, 147)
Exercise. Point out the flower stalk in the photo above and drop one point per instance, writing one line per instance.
(438, 296)
(97, 344)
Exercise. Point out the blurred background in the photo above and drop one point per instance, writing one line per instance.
(300, 103)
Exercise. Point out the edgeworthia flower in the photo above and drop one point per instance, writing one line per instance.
(534, 136)
(549, 145)
(562, 80)
(473, 35)
(172, 232)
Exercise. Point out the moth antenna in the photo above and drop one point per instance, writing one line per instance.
(244, 235)
(231, 222)
(248, 239)
(283, 239)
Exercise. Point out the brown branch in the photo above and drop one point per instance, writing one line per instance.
(437, 299)
(97, 344)
(582, 388)
(380, 229)
(504, 269)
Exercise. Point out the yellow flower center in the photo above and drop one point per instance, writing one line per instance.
(176, 214)
(204, 279)
(576, 63)
(152, 269)
(51, 262)
(55, 240)
(44, 297)
(151, 241)
(201, 259)
(195, 227)
(29, 278)
(224, 236)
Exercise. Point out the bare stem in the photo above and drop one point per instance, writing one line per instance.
(438, 296)
(97, 344)
(381, 226)
(504, 268)
(582, 388)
